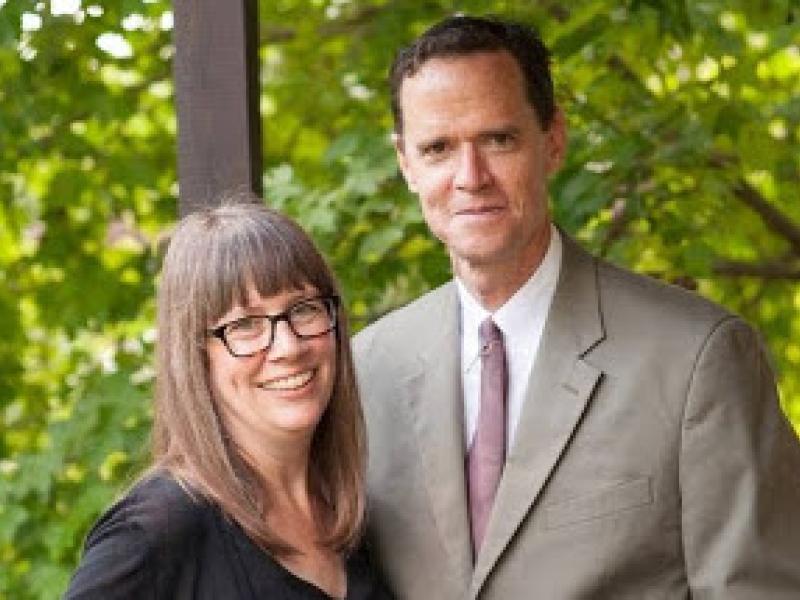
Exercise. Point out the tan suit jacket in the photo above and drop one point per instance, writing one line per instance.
(651, 459)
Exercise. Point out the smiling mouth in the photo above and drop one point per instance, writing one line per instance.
(478, 211)
(292, 382)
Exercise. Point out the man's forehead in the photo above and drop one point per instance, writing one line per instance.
(463, 99)
(461, 60)
(465, 78)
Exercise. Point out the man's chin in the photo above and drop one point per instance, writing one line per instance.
(477, 257)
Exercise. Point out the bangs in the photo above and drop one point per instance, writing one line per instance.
(268, 255)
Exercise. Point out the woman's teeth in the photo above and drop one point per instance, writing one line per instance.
(288, 383)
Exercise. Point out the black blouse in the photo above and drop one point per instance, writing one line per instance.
(158, 543)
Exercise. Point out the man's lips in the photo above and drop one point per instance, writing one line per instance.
(288, 382)
(478, 211)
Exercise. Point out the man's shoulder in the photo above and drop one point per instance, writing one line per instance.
(402, 323)
(624, 291)
(630, 296)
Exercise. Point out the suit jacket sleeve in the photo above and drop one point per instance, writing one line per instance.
(739, 475)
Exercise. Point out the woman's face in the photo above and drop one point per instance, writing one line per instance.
(279, 394)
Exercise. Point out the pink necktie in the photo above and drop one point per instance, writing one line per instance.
(487, 454)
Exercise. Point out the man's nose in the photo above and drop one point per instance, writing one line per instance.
(472, 173)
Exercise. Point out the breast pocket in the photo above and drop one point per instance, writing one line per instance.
(602, 503)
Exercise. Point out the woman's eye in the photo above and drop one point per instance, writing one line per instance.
(247, 325)
(306, 311)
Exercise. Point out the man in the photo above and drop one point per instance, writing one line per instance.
(547, 425)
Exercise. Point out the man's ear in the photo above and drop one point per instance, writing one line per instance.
(402, 161)
(556, 142)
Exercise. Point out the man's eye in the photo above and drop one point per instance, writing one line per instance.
(434, 149)
(501, 140)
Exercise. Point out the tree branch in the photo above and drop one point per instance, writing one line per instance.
(772, 217)
(278, 34)
(766, 270)
(620, 218)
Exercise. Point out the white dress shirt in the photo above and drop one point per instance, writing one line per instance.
(521, 319)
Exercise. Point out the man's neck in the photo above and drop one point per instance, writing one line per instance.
(493, 283)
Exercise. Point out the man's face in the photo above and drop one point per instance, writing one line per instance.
(473, 150)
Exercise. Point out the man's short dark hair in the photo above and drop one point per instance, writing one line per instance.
(461, 36)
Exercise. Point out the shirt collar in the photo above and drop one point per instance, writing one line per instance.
(535, 294)
(516, 311)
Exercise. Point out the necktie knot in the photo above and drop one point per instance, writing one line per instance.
(489, 334)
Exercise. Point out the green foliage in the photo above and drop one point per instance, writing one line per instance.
(684, 164)
(86, 187)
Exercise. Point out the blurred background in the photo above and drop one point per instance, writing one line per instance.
(684, 164)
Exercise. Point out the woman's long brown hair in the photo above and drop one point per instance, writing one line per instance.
(213, 256)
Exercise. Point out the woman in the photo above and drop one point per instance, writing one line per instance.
(257, 486)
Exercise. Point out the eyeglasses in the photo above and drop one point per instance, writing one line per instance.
(249, 335)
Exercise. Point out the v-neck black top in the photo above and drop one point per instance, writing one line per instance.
(158, 543)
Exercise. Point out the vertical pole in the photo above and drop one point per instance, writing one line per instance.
(217, 93)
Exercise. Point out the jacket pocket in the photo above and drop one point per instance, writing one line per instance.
(607, 501)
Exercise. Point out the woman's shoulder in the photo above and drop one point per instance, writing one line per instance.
(158, 507)
(141, 542)
(161, 495)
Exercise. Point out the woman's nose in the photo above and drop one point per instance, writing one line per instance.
(284, 341)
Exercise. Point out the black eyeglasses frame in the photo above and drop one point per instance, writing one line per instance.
(331, 305)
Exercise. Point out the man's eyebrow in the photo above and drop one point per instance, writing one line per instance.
(503, 129)
(510, 129)
(422, 144)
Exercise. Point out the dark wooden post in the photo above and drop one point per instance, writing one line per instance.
(217, 93)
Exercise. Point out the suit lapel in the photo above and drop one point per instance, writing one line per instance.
(434, 395)
(559, 390)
